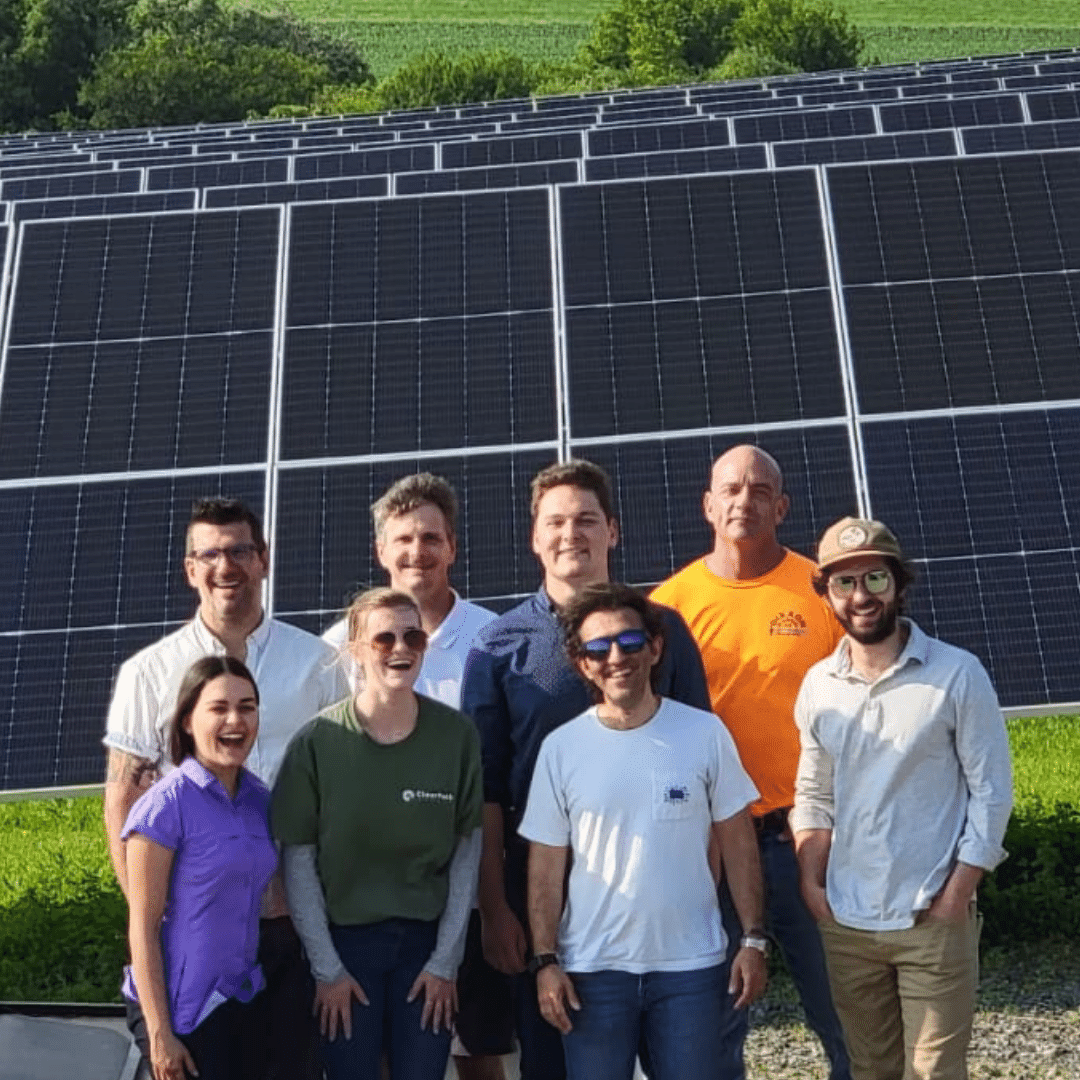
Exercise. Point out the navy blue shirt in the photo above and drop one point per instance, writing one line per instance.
(519, 686)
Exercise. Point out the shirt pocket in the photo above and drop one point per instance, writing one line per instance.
(672, 795)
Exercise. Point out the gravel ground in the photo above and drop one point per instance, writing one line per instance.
(1027, 1023)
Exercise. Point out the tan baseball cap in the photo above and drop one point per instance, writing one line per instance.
(856, 536)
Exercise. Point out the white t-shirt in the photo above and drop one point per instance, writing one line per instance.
(297, 675)
(443, 667)
(636, 808)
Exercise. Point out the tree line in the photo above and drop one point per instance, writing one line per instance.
(67, 64)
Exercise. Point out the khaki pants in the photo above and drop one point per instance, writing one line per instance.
(906, 998)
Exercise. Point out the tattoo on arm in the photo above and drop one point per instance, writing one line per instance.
(128, 769)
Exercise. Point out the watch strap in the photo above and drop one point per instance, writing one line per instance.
(542, 960)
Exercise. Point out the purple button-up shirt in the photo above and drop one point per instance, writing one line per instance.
(223, 860)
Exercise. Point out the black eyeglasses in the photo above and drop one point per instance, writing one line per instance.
(875, 582)
(629, 642)
(384, 642)
(238, 553)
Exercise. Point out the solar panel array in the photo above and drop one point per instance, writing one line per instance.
(874, 274)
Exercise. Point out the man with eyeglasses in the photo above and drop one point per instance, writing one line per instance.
(632, 806)
(519, 686)
(298, 676)
(760, 626)
(903, 792)
(415, 522)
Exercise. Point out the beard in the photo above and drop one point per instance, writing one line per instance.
(877, 632)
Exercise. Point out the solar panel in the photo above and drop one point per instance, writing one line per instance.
(805, 124)
(953, 112)
(1054, 105)
(1013, 138)
(988, 504)
(683, 135)
(511, 151)
(902, 334)
(348, 187)
(538, 173)
(914, 144)
(675, 162)
(96, 205)
(365, 162)
(218, 173)
(61, 185)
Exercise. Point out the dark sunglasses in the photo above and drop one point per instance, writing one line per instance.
(629, 642)
(384, 642)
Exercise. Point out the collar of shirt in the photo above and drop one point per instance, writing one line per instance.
(544, 604)
(916, 651)
(445, 634)
(202, 777)
(256, 640)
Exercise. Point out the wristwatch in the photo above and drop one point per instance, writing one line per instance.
(542, 960)
(755, 939)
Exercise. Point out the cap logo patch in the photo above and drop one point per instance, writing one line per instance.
(852, 537)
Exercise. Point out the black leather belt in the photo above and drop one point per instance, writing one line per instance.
(775, 821)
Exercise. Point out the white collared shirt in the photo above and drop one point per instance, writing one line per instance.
(443, 667)
(909, 771)
(297, 675)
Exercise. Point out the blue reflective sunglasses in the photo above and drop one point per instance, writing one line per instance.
(629, 642)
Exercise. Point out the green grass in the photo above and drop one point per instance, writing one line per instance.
(1046, 758)
(387, 45)
(61, 912)
(896, 31)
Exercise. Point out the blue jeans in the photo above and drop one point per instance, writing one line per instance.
(790, 923)
(385, 958)
(672, 1012)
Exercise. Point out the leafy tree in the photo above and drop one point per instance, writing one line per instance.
(194, 60)
(668, 40)
(810, 35)
(747, 63)
(47, 48)
(432, 78)
(247, 26)
(167, 79)
(663, 37)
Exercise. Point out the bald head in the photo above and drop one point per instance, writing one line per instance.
(747, 458)
(745, 503)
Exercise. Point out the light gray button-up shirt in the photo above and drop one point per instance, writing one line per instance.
(910, 772)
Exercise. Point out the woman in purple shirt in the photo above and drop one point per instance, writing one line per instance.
(199, 856)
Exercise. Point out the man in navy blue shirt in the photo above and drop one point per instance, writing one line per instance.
(519, 686)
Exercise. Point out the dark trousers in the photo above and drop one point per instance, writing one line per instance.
(540, 1043)
(230, 1044)
(385, 958)
(790, 923)
(293, 1043)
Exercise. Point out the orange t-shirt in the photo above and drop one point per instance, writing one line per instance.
(758, 638)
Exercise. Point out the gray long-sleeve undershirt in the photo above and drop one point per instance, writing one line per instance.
(308, 907)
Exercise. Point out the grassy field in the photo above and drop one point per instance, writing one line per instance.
(1046, 758)
(393, 30)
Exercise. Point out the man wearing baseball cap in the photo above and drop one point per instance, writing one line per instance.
(902, 796)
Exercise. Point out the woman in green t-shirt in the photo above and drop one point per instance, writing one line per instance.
(378, 807)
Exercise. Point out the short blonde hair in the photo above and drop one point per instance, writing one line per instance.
(371, 599)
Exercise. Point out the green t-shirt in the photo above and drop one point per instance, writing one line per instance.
(385, 819)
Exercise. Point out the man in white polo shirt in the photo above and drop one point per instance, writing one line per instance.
(298, 676)
(902, 796)
(415, 523)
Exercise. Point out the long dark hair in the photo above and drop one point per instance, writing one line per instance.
(181, 744)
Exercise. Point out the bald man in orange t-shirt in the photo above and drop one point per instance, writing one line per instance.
(760, 626)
